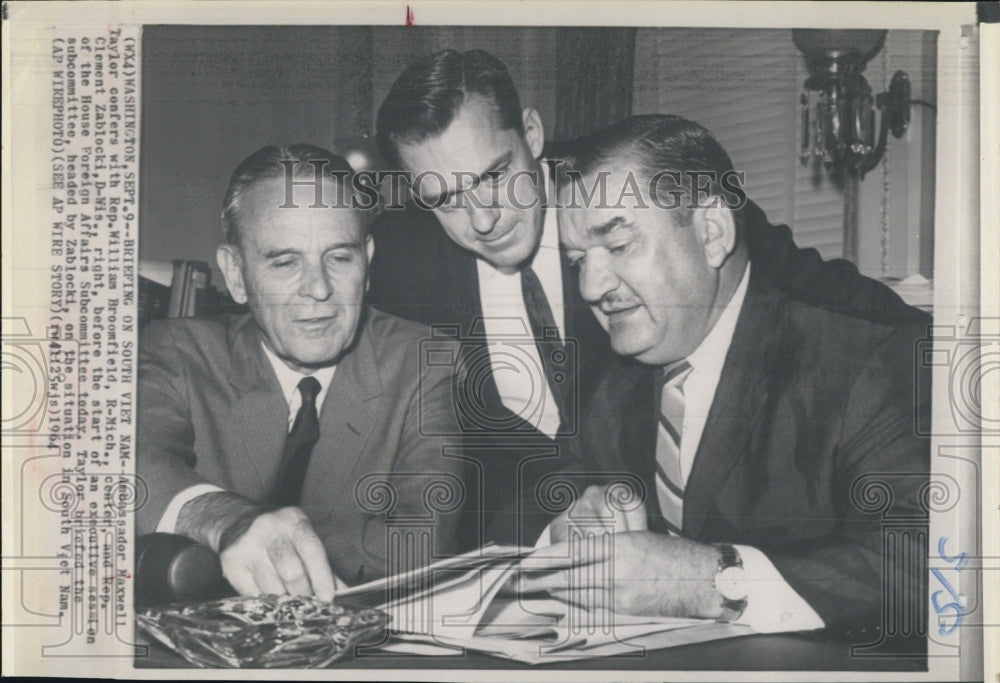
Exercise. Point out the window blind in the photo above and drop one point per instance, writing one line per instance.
(743, 85)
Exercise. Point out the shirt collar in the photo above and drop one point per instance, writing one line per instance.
(289, 379)
(550, 224)
(711, 353)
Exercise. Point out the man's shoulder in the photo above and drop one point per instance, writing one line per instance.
(835, 347)
(417, 272)
(388, 332)
(408, 233)
(216, 327)
(207, 338)
(828, 326)
(405, 349)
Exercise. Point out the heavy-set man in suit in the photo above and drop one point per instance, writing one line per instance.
(754, 417)
(259, 435)
(478, 250)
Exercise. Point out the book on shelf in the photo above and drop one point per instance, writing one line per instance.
(187, 288)
(154, 299)
(194, 294)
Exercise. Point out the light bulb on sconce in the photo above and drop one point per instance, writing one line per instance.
(359, 151)
(838, 107)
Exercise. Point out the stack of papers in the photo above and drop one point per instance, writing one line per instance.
(461, 603)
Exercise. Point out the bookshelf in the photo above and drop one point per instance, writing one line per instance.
(182, 289)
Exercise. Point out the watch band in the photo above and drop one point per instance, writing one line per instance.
(729, 558)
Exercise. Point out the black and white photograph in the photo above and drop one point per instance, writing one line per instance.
(457, 341)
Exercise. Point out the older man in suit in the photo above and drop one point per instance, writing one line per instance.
(753, 417)
(282, 438)
(477, 250)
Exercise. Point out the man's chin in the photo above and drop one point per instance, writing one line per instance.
(638, 351)
(628, 348)
(507, 258)
(517, 247)
(314, 359)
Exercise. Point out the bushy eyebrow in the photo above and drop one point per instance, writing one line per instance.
(500, 161)
(276, 253)
(603, 229)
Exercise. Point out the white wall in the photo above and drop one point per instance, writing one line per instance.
(896, 198)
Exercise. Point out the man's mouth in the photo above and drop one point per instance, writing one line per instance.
(316, 320)
(618, 312)
(492, 238)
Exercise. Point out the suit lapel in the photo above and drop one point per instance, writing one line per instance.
(260, 411)
(346, 421)
(460, 285)
(638, 440)
(739, 399)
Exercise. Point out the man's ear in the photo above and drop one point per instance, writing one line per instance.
(717, 232)
(231, 264)
(534, 133)
(370, 251)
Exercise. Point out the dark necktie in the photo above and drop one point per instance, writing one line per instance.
(299, 445)
(555, 361)
(669, 476)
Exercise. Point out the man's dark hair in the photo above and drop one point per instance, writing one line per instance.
(665, 147)
(302, 160)
(425, 99)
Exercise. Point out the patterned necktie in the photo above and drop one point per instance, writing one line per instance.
(555, 361)
(299, 445)
(669, 476)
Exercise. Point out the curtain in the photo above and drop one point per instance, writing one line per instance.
(212, 95)
(594, 75)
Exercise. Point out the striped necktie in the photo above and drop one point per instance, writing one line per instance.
(669, 476)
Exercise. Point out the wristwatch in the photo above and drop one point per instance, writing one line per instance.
(730, 581)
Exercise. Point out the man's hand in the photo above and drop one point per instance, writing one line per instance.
(612, 509)
(278, 553)
(261, 551)
(639, 572)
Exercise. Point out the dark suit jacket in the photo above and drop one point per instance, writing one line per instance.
(211, 410)
(419, 274)
(813, 409)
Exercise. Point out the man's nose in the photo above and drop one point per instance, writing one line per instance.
(597, 280)
(483, 218)
(316, 284)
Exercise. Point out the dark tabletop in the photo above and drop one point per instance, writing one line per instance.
(782, 652)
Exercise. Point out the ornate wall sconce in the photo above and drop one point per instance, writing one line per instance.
(838, 107)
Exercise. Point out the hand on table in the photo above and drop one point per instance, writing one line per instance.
(279, 552)
(636, 572)
(261, 551)
(601, 508)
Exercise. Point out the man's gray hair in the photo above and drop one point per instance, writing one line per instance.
(301, 160)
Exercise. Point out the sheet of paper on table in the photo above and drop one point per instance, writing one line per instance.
(458, 603)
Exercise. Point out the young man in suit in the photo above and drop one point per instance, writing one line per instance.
(755, 419)
(478, 251)
(283, 438)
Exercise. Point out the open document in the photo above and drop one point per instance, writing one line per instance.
(464, 602)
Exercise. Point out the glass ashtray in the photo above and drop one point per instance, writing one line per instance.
(262, 632)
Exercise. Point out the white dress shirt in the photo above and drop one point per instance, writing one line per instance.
(772, 605)
(514, 360)
(289, 380)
